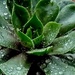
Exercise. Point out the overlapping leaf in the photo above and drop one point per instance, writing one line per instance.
(40, 52)
(50, 31)
(19, 16)
(16, 65)
(35, 23)
(64, 44)
(46, 11)
(4, 10)
(7, 39)
(56, 66)
(26, 41)
(66, 18)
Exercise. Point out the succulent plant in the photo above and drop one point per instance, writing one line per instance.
(37, 37)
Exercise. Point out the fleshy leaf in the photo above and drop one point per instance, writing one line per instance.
(40, 52)
(33, 5)
(46, 11)
(24, 3)
(57, 67)
(50, 31)
(26, 41)
(29, 32)
(4, 24)
(64, 44)
(4, 10)
(10, 5)
(7, 39)
(35, 23)
(37, 41)
(15, 66)
(3, 53)
(19, 16)
(66, 18)
(63, 3)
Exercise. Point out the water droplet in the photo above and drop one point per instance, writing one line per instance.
(18, 68)
(4, 2)
(5, 13)
(6, 18)
(66, 67)
(50, 63)
(51, 71)
(60, 73)
(69, 57)
(37, 73)
(56, 74)
(53, 67)
(3, 27)
(5, 6)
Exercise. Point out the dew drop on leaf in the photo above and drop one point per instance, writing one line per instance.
(5, 13)
(18, 68)
(5, 6)
(4, 2)
(56, 74)
(6, 18)
(60, 73)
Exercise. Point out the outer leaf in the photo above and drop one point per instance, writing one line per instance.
(7, 39)
(46, 11)
(25, 3)
(4, 11)
(64, 3)
(66, 18)
(15, 66)
(27, 41)
(19, 16)
(4, 24)
(58, 67)
(50, 31)
(40, 52)
(33, 4)
(3, 53)
(35, 23)
(64, 44)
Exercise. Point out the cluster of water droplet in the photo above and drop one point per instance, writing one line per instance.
(4, 10)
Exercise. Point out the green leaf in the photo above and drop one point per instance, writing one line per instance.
(4, 10)
(26, 41)
(33, 5)
(19, 16)
(10, 5)
(24, 3)
(3, 53)
(35, 23)
(57, 67)
(63, 3)
(50, 31)
(29, 32)
(64, 44)
(15, 66)
(66, 18)
(7, 39)
(4, 24)
(46, 11)
(37, 41)
(40, 52)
